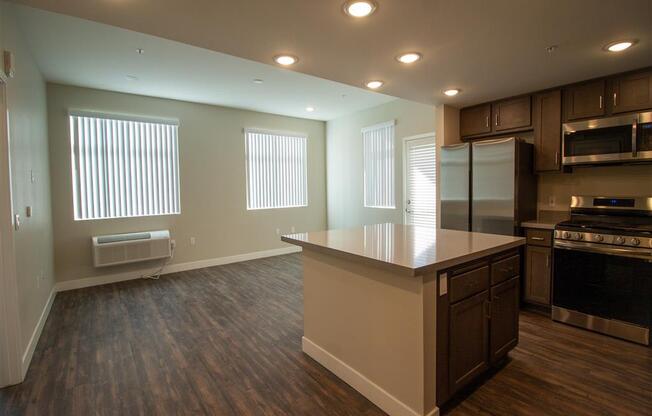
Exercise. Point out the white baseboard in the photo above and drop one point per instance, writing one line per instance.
(381, 398)
(33, 341)
(172, 268)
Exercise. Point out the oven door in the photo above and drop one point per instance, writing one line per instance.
(612, 287)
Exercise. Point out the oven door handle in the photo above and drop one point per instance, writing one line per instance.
(638, 253)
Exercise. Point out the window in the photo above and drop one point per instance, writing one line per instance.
(276, 169)
(123, 167)
(378, 148)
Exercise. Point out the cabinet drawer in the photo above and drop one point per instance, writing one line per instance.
(504, 269)
(467, 284)
(538, 237)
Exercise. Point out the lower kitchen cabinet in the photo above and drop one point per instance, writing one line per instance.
(538, 267)
(477, 319)
(469, 329)
(504, 319)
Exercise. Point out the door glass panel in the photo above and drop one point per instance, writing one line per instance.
(420, 180)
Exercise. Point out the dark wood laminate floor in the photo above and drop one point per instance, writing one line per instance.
(227, 341)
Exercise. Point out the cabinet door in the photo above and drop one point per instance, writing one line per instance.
(632, 92)
(538, 273)
(468, 335)
(504, 319)
(475, 120)
(514, 113)
(584, 100)
(547, 131)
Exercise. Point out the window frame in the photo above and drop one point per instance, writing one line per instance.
(304, 172)
(121, 117)
(390, 123)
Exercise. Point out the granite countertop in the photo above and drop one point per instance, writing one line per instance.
(405, 249)
(546, 220)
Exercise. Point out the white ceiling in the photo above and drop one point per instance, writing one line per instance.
(79, 52)
(489, 49)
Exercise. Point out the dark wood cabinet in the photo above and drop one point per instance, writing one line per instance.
(546, 116)
(475, 120)
(477, 319)
(469, 329)
(514, 113)
(631, 92)
(537, 283)
(584, 100)
(538, 275)
(504, 319)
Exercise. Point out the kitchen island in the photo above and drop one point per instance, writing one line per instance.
(402, 313)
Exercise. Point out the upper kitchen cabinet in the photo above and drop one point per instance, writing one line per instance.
(511, 114)
(546, 116)
(475, 120)
(584, 100)
(631, 92)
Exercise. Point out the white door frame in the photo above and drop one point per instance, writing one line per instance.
(404, 141)
(10, 337)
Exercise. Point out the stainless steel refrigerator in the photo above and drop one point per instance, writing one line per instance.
(488, 186)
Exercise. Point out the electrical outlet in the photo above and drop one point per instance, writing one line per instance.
(193, 241)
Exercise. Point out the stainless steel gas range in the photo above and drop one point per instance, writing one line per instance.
(603, 267)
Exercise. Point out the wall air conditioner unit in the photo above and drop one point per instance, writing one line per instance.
(109, 250)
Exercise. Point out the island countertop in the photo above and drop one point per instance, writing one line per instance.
(407, 249)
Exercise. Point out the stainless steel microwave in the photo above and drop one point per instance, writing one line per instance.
(619, 139)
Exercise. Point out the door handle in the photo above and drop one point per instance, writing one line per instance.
(601, 99)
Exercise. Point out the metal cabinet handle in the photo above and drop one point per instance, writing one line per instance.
(537, 238)
(556, 158)
(601, 99)
(615, 99)
(497, 119)
(487, 309)
(486, 121)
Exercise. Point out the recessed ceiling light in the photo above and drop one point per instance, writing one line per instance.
(620, 45)
(359, 8)
(131, 77)
(310, 109)
(374, 85)
(258, 81)
(452, 92)
(286, 60)
(409, 58)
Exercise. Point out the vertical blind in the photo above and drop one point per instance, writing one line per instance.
(123, 168)
(276, 169)
(421, 181)
(378, 149)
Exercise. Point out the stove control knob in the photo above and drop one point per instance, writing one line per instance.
(620, 240)
(579, 236)
(635, 241)
(599, 238)
(566, 234)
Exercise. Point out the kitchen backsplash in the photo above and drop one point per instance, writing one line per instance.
(556, 189)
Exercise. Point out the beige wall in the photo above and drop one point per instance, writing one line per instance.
(345, 163)
(26, 102)
(635, 180)
(212, 169)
